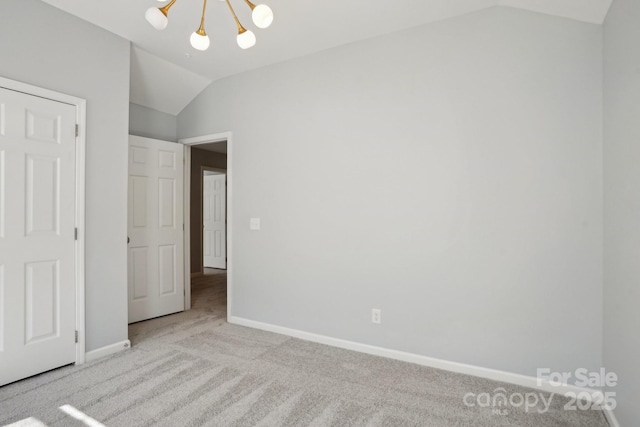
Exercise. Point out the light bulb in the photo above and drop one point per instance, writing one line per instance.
(156, 18)
(262, 16)
(200, 41)
(246, 39)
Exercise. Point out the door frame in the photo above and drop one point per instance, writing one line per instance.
(81, 112)
(221, 172)
(188, 143)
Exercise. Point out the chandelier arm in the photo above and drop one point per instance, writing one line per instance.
(201, 29)
(251, 5)
(165, 9)
(241, 29)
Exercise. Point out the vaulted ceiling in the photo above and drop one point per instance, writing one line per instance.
(167, 73)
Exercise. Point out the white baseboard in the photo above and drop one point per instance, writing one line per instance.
(611, 418)
(461, 368)
(107, 350)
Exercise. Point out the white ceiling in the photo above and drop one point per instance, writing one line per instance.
(162, 85)
(167, 73)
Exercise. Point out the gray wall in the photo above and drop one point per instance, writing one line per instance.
(200, 158)
(43, 46)
(622, 205)
(150, 123)
(450, 175)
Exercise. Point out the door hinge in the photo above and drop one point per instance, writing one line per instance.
(75, 234)
(77, 130)
(76, 337)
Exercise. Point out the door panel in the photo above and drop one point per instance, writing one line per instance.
(167, 202)
(42, 289)
(2, 190)
(138, 201)
(42, 195)
(138, 272)
(37, 238)
(156, 264)
(167, 269)
(2, 310)
(214, 221)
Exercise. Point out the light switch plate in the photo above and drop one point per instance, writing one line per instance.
(254, 224)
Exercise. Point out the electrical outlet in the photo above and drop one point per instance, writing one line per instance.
(376, 315)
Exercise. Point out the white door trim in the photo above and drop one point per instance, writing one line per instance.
(188, 143)
(81, 108)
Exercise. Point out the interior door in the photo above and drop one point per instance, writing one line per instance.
(37, 235)
(156, 263)
(214, 228)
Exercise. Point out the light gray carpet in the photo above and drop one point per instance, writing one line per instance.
(193, 369)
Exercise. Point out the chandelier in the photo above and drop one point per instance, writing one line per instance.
(261, 15)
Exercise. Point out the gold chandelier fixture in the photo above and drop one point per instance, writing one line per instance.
(261, 15)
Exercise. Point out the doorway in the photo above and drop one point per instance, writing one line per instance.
(213, 153)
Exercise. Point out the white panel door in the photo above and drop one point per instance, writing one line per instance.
(37, 235)
(214, 228)
(156, 263)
